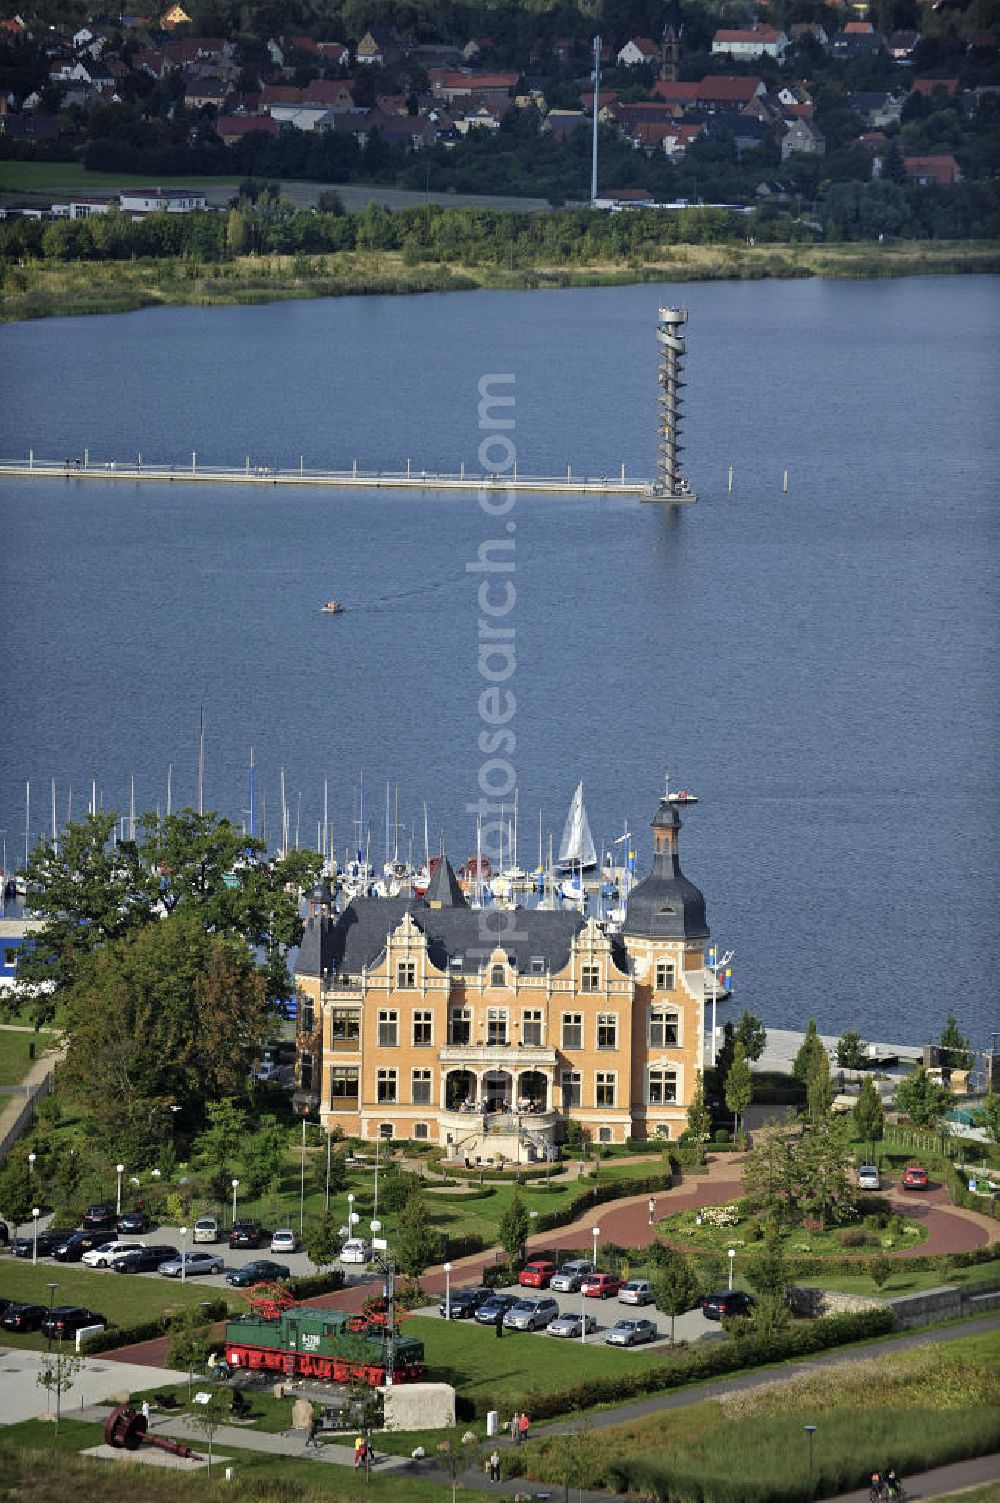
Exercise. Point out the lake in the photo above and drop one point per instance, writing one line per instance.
(820, 667)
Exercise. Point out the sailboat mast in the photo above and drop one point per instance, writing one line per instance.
(27, 817)
(427, 843)
(131, 810)
(251, 794)
(55, 830)
(201, 762)
(326, 818)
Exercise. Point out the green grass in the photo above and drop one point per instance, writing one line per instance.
(26, 177)
(124, 1299)
(14, 1051)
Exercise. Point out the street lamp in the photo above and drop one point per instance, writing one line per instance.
(35, 1213)
(119, 1170)
(732, 1255)
(302, 1178)
(52, 1291)
(810, 1431)
(183, 1236)
(236, 1186)
(447, 1291)
(31, 1164)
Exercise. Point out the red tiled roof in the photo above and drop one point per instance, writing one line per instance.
(762, 34)
(728, 89)
(859, 29)
(941, 169)
(676, 93)
(245, 125)
(928, 85)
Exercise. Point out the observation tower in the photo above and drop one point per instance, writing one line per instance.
(670, 484)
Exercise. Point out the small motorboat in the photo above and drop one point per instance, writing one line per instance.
(332, 607)
(682, 797)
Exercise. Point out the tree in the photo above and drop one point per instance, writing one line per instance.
(208, 1417)
(699, 1118)
(869, 1117)
(323, 1239)
(16, 1189)
(219, 1145)
(262, 1155)
(751, 1033)
(880, 1270)
(190, 1343)
(513, 1227)
(807, 1049)
(852, 1051)
(417, 1242)
(988, 1116)
(768, 1177)
(58, 1375)
(767, 1272)
(921, 1099)
(822, 1182)
(675, 1286)
(957, 1052)
(739, 1086)
(819, 1086)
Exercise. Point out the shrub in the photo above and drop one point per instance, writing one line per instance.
(311, 1284)
(852, 1236)
(721, 1135)
(149, 1330)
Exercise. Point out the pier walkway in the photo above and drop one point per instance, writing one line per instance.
(138, 471)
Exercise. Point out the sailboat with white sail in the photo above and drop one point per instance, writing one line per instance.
(576, 849)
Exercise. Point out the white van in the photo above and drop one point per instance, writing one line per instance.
(206, 1229)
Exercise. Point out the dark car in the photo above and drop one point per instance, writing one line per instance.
(66, 1320)
(247, 1233)
(726, 1302)
(76, 1244)
(21, 1317)
(143, 1259)
(133, 1223)
(260, 1271)
(464, 1303)
(99, 1218)
(496, 1305)
(48, 1241)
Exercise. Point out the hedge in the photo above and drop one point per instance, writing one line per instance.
(690, 1365)
(148, 1330)
(317, 1283)
(599, 1195)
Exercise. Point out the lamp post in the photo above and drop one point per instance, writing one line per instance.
(183, 1237)
(731, 1256)
(447, 1291)
(236, 1186)
(350, 1213)
(48, 1337)
(35, 1213)
(810, 1431)
(375, 1207)
(302, 1178)
(119, 1170)
(31, 1166)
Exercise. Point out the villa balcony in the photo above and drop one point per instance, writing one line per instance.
(498, 1056)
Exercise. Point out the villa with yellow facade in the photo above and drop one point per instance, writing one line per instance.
(486, 1030)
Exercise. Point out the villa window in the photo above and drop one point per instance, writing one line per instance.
(388, 1029)
(572, 1030)
(663, 1028)
(666, 975)
(496, 1025)
(343, 1087)
(662, 1087)
(306, 1072)
(571, 1089)
(385, 1131)
(605, 1092)
(420, 1088)
(307, 1014)
(423, 1029)
(590, 978)
(406, 975)
(460, 1025)
(531, 1026)
(605, 1135)
(386, 1086)
(498, 976)
(420, 1130)
(607, 1030)
(345, 1028)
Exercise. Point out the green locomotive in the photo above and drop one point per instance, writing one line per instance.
(308, 1341)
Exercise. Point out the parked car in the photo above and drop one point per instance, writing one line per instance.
(143, 1259)
(195, 1264)
(530, 1314)
(99, 1218)
(104, 1255)
(569, 1325)
(465, 1303)
(24, 1247)
(631, 1331)
(636, 1292)
(206, 1229)
(76, 1244)
(260, 1271)
(868, 1177)
(497, 1304)
(133, 1223)
(355, 1250)
(726, 1302)
(600, 1285)
(247, 1232)
(571, 1275)
(23, 1317)
(536, 1275)
(66, 1320)
(915, 1178)
(284, 1240)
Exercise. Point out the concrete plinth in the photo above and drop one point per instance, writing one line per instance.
(419, 1406)
(152, 1456)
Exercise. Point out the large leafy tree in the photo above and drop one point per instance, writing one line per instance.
(957, 1052)
(675, 1286)
(921, 1099)
(739, 1086)
(751, 1033)
(417, 1242)
(819, 1086)
(768, 1174)
(988, 1116)
(869, 1117)
(824, 1187)
(513, 1227)
(810, 1046)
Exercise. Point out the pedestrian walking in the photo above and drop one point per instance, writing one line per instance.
(311, 1432)
(494, 1466)
(523, 1425)
(359, 1452)
(512, 1427)
(145, 1412)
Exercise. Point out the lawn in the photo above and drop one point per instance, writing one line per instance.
(45, 177)
(124, 1298)
(15, 1051)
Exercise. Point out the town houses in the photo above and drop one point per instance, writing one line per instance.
(487, 1031)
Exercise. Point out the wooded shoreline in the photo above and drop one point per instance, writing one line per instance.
(69, 289)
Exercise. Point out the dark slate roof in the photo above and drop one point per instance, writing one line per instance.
(459, 938)
(443, 888)
(665, 905)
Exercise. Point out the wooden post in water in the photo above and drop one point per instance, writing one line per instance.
(302, 465)
(407, 469)
(730, 480)
(623, 474)
(194, 463)
(86, 458)
(354, 472)
(569, 472)
(462, 471)
(31, 459)
(784, 484)
(248, 465)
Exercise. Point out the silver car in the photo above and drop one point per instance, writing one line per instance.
(195, 1264)
(630, 1332)
(530, 1315)
(571, 1276)
(570, 1325)
(636, 1292)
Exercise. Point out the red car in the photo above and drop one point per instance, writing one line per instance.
(536, 1275)
(915, 1178)
(600, 1285)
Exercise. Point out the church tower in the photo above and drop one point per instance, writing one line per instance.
(670, 44)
